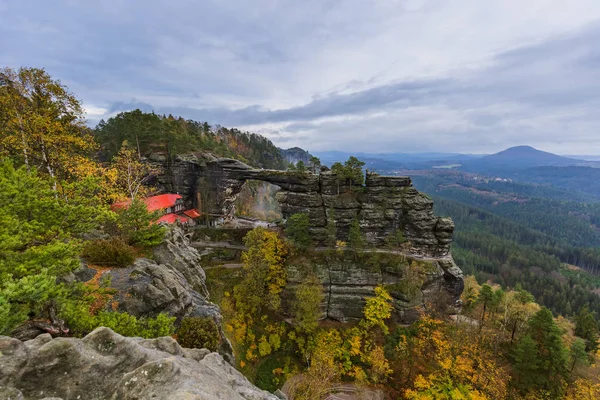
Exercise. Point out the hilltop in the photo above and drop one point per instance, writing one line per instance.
(523, 156)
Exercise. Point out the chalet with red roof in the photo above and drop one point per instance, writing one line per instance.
(172, 207)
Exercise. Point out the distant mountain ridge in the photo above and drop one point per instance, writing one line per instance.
(518, 158)
(527, 155)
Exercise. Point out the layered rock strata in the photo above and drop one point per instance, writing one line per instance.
(384, 206)
(349, 278)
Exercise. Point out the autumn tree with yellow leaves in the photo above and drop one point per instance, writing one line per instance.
(377, 310)
(264, 264)
(132, 173)
(258, 295)
(43, 124)
(451, 362)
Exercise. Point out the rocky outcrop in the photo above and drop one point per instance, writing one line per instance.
(295, 154)
(349, 278)
(384, 206)
(105, 365)
(172, 283)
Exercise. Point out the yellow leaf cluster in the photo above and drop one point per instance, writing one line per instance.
(458, 360)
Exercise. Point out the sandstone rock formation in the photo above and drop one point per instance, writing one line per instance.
(384, 206)
(349, 278)
(105, 365)
(172, 283)
(295, 154)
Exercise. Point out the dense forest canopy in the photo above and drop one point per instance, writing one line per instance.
(167, 136)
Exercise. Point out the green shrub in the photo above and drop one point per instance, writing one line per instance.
(128, 325)
(113, 252)
(81, 322)
(297, 230)
(136, 225)
(198, 333)
(272, 373)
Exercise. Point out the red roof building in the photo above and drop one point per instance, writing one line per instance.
(168, 201)
(193, 213)
(172, 218)
(170, 204)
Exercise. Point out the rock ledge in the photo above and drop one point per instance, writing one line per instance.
(105, 365)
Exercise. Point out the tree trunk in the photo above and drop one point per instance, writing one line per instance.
(23, 141)
(137, 142)
(49, 167)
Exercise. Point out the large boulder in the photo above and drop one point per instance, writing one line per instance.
(172, 283)
(147, 289)
(176, 252)
(105, 365)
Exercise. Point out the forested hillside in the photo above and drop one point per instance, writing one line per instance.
(162, 137)
(495, 248)
(543, 237)
(582, 179)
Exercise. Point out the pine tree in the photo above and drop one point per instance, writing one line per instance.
(527, 364)
(486, 295)
(297, 230)
(355, 236)
(577, 354)
(353, 171)
(300, 167)
(549, 370)
(315, 164)
(586, 328)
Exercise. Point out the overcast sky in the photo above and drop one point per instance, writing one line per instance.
(374, 76)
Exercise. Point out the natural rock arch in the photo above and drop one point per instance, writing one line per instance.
(382, 206)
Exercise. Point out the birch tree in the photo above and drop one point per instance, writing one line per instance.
(42, 124)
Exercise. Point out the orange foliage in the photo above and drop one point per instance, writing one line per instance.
(101, 298)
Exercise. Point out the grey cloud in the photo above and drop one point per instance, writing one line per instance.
(401, 94)
(229, 62)
(551, 77)
(516, 76)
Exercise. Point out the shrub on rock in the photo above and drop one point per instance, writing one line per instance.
(198, 333)
(112, 252)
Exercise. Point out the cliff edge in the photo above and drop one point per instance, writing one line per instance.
(105, 365)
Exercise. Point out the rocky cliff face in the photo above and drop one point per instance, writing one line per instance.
(172, 283)
(105, 365)
(349, 278)
(384, 206)
(295, 154)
